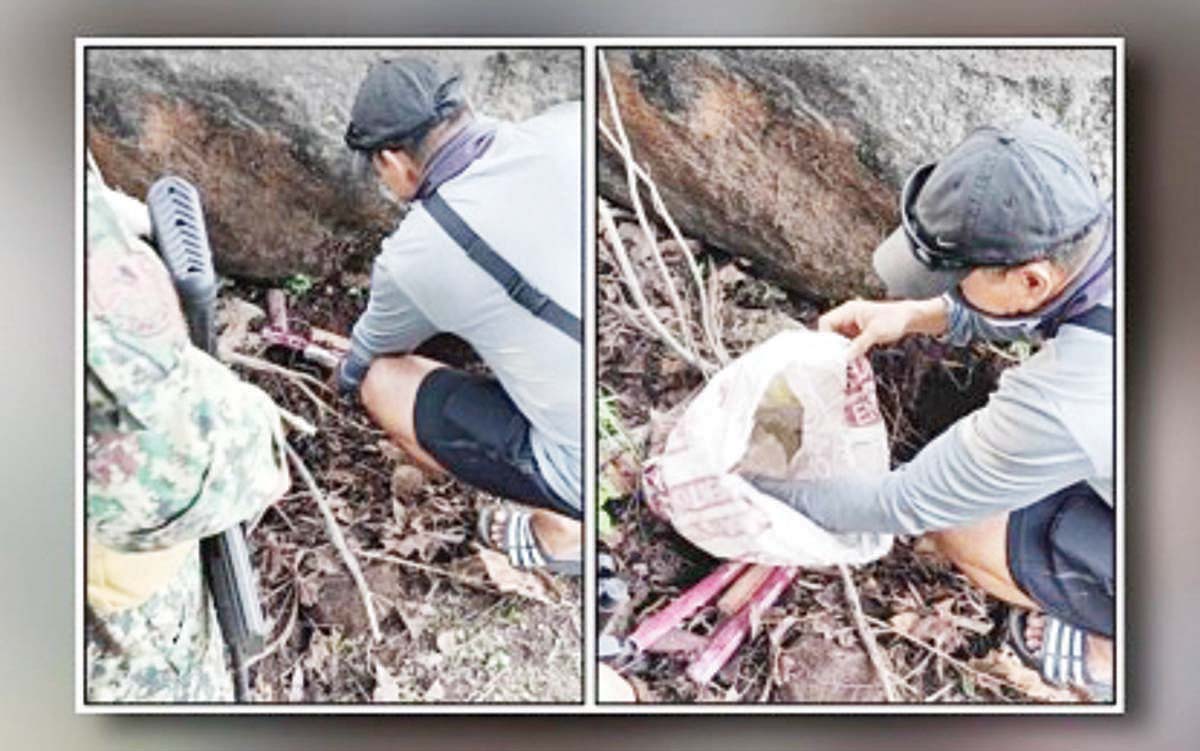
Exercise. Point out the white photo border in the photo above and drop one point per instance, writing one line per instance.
(590, 46)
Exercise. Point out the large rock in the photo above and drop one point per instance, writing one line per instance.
(794, 158)
(259, 131)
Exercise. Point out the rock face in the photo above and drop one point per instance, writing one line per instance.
(794, 158)
(259, 131)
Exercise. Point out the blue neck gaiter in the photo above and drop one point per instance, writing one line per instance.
(456, 155)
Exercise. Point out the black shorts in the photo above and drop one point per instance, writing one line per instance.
(1061, 554)
(471, 426)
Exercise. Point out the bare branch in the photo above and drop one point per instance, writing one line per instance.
(339, 542)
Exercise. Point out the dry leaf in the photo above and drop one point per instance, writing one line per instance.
(1003, 663)
(825, 624)
(399, 513)
(622, 473)
(511, 580)
(730, 274)
(390, 450)
(672, 366)
(414, 622)
(904, 622)
(407, 481)
(386, 689)
(341, 478)
(422, 545)
(309, 591)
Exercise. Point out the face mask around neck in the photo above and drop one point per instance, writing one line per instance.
(1090, 285)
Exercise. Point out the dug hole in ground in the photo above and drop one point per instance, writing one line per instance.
(721, 609)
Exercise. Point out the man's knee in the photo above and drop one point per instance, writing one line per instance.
(391, 383)
(974, 543)
(949, 543)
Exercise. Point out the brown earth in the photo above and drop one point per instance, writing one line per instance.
(449, 633)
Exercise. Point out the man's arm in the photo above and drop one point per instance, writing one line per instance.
(1004, 456)
(867, 323)
(390, 324)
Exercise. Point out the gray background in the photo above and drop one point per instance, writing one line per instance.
(37, 299)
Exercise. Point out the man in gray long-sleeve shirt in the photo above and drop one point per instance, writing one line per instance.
(491, 251)
(1005, 238)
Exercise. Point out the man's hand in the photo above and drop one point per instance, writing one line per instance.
(869, 323)
(337, 381)
(342, 381)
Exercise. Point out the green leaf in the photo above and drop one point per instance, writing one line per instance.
(298, 284)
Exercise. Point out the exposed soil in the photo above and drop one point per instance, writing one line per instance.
(941, 635)
(449, 633)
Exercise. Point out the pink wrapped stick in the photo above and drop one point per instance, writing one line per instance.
(730, 635)
(653, 628)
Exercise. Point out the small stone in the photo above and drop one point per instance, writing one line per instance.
(407, 481)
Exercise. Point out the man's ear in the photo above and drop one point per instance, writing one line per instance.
(1038, 280)
(402, 162)
(387, 158)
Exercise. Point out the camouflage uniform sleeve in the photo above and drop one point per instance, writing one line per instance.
(178, 448)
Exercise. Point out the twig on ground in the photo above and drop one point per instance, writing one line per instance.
(936, 695)
(266, 366)
(283, 635)
(301, 381)
(447, 574)
(623, 147)
(943, 654)
(339, 542)
(640, 211)
(635, 289)
(253, 525)
(864, 632)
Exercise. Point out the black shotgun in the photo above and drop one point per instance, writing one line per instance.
(182, 241)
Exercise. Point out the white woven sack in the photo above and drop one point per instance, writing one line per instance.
(691, 483)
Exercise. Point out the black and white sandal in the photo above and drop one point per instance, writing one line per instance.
(1060, 659)
(519, 543)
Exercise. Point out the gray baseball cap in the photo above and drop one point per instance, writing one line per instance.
(398, 100)
(1003, 197)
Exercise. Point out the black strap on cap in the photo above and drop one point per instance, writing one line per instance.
(1097, 318)
(521, 291)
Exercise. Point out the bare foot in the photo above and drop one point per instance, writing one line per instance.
(1098, 651)
(558, 536)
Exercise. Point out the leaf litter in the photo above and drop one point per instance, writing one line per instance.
(942, 637)
(413, 537)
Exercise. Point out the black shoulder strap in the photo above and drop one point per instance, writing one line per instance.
(1098, 318)
(477, 249)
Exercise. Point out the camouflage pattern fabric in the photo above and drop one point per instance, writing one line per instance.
(177, 449)
(168, 649)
